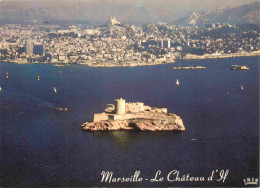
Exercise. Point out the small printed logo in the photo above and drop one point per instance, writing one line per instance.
(251, 181)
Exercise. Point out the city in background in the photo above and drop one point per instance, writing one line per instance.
(117, 44)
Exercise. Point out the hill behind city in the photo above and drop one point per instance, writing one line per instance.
(245, 14)
(135, 12)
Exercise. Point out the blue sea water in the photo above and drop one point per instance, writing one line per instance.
(41, 146)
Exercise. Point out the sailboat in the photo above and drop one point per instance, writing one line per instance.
(38, 78)
(177, 82)
(241, 87)
(55, 90)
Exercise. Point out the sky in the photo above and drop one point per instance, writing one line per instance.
(194, 3)
(124, 10)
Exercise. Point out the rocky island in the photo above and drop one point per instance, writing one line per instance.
(134, 116)
(239, 67)
(186, 68)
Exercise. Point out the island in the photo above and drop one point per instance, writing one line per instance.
(186, 68)
(239, 67)
(134, 116)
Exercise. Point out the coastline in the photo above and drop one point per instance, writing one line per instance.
(219, 56)
(94, 64)
(137, 64)
(111, 65)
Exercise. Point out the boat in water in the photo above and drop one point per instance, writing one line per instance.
(177, 82)
(55, 90)
(241, 87)
(62, 109)
(0, 88)
(38, 78)
(6, 75)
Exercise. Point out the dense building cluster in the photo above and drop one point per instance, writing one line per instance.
(119, 44)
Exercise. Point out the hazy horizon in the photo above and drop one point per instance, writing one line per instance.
(134, 11)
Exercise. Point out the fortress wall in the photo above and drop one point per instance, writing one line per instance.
(118, 116)
(134, 107)
(161, 110)
(100, 117)
(141, 106)
(147, 108)
(111, 117)
(129, 116)
(145, 116)
(153, 117)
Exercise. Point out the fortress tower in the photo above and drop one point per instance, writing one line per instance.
(120, 106)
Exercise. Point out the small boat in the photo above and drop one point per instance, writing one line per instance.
(6, 75)
(38, 78)
(193, 139)
(0, 88)
(241, 87)
(177, 82)
(55, 90)
(62, 109)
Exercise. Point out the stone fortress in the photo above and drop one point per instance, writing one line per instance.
(122, 115)
(122, 111)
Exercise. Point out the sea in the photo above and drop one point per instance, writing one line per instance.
(42, 146)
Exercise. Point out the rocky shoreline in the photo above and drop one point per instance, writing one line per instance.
(220, 56)
(136, 124)
(134, 64)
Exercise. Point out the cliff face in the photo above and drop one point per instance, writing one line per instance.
(136, 124)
